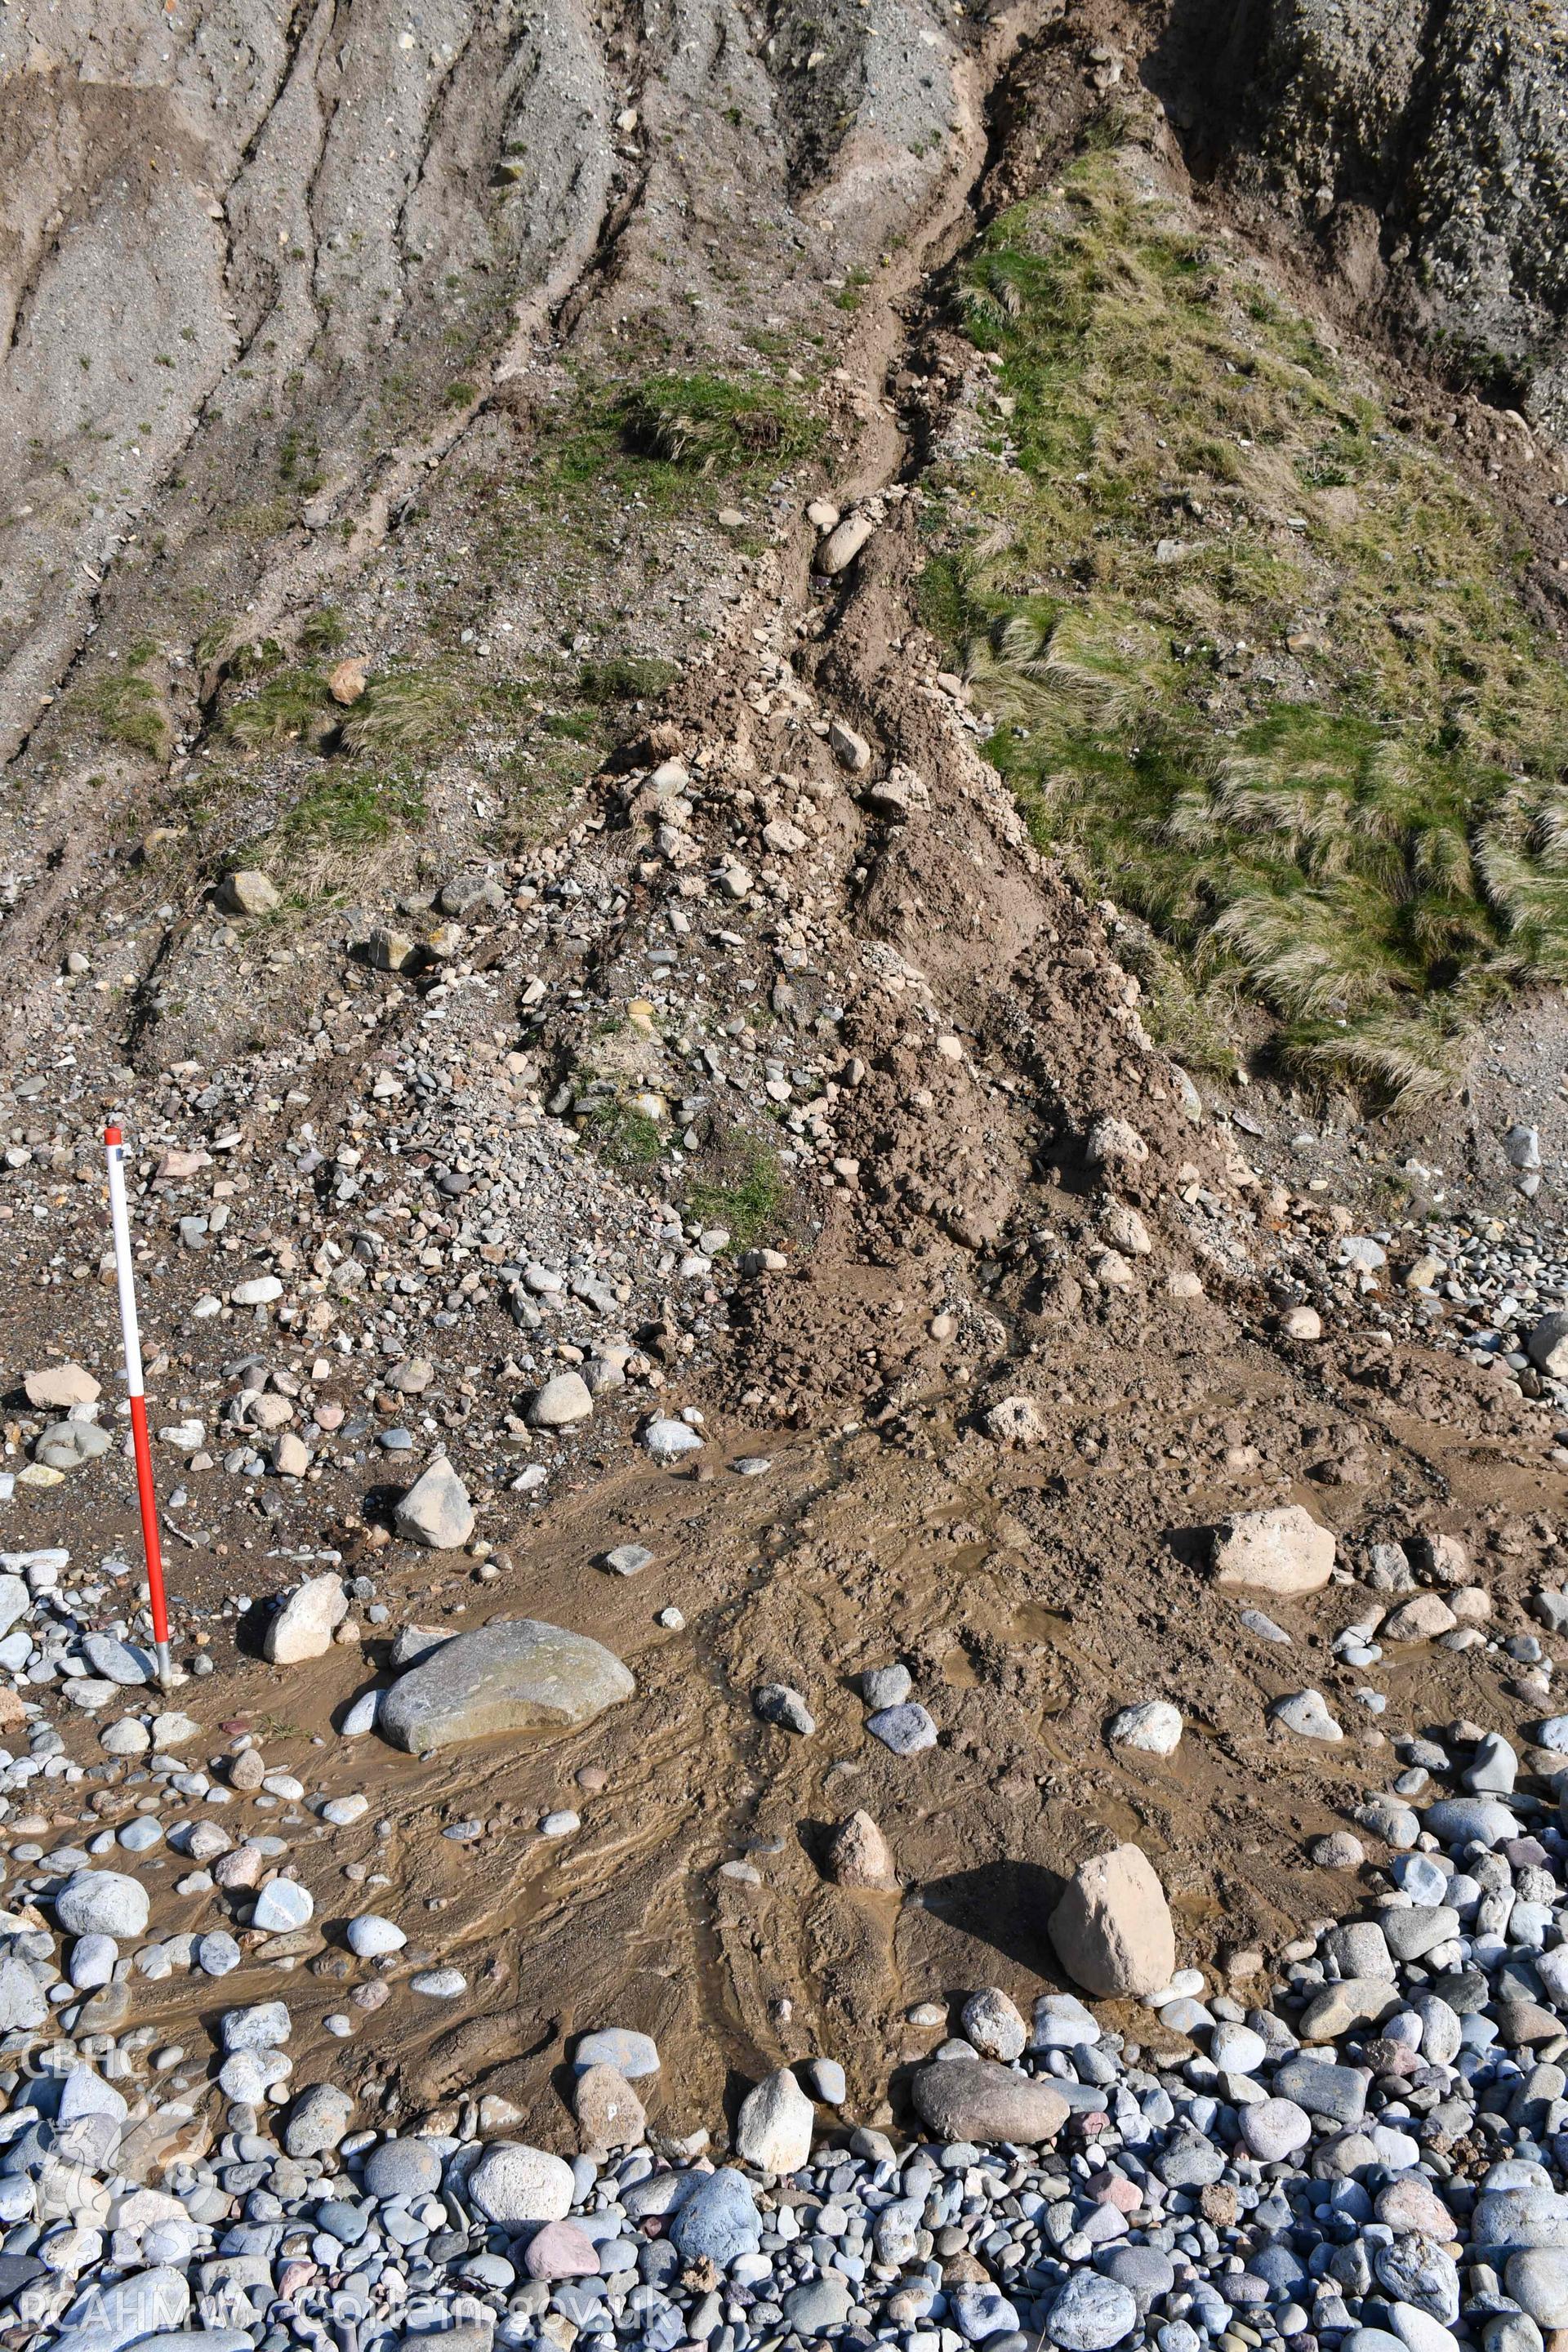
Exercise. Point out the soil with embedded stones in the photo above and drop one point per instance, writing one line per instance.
(714, 1297)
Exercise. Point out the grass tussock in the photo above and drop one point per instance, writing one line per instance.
(356, 808)
(124, 707)
(1254, 653)
(709, 423)
(658, 439)
(288, 705)
(412, 711)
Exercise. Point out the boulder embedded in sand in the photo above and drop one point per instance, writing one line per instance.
(1283, 1550)
(435, 1510)
(1112, 1928)
(516, 1675)
(304, 1627)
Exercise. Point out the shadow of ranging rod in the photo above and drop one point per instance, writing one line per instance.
(115, 1146)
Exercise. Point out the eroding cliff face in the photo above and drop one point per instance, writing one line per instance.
(1427, 148)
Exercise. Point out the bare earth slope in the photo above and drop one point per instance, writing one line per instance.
(655, 981)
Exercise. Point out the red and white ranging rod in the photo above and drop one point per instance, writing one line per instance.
(114, 1145)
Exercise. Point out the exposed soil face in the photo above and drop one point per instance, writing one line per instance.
(777, 902)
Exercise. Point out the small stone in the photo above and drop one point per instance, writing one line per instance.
(292, 1457)
(857, 1855)
(562, 1403)
(1547, 1346)
(1112, 1928)
(360, 1717)
(93, 1962)
(1307, 1714)
(56, 1388)
(1338, 1851)
(628, 1559)
(261, 1290)
(318, 2120)
(116, 1660)
(509, 1675)
(1339, 2092)
(561, 2251)
(882, 1686)
(1237, 2049)
(1537, 2278)
(128, 1736)
(436, 1510)
(514, 2184)
(1421, 1619)
(828, 2082)
(773, 2128)
(67, 1445)
(1274, 2129)
(249, 891)
(265, 2025)
(609, 2112)
(718, 2220)
(843, 544)
(633, 2055)
(824, 2302)
(906, 1729)
(667, 1441)
(1283, 1550)
(23, 2003)
(993, 2024)
(1354, 2000)
(303, 1627)
(370, 1936)
(976, 2099)
(1457, 1820)
(102, 1903)
(402, 2169)
(1301, 1323)
(777, 1703)
(1091, 2313)
(1153, 1726)
(282, 1904)
(1062, 2023)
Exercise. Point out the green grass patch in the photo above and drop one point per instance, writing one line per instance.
(287, 705)
(417, 711)
(655, 438)
(626, 677)
(709, 423)
(1254, 654)
(356, 808)
(322, 631)
(746, 1192)
(124, 707)
(625, 1136)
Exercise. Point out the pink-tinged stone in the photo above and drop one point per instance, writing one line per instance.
(560, 2250)
(1121, 2193)
(241, 1868)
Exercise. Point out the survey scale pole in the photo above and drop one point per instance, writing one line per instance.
(119, 1218)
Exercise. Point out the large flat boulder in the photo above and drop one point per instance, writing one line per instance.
(516, 1675)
